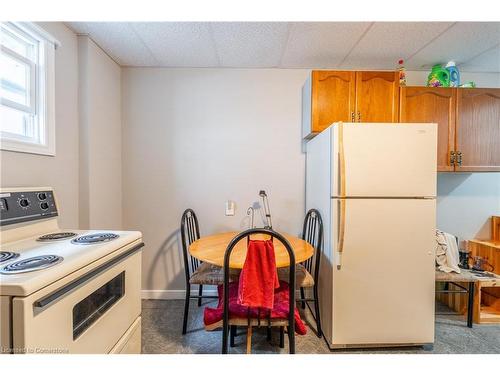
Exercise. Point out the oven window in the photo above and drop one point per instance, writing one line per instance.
(88, 310)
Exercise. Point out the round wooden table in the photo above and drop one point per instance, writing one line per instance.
(211, 249)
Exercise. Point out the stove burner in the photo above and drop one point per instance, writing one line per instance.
(31, 264)
(89, 239)
(5, 256)
(56, 236)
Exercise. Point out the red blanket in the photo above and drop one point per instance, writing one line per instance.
(212, 317)
(259, 277)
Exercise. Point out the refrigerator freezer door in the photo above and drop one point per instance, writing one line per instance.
(384, 160)
(384, 290)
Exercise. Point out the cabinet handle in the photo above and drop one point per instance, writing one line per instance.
(359, 116)
(452, 158)
(352, 117)
(459, 158)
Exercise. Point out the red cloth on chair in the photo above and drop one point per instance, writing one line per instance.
(259, 277)
(212, 317)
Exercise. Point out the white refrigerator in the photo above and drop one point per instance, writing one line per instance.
(375, 187)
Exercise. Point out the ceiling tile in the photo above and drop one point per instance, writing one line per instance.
(179, 44)
(321, 44)
(337, 45)
(250, 44)
(78, 27)
(387, 42)
(460, 43)
(119, 40)
(488, 61)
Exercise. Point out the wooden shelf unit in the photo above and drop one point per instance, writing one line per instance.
(486, 292)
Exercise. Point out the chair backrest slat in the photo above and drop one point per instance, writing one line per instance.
(190, 232)
(313, 234)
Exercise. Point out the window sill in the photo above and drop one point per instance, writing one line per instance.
(27, 147)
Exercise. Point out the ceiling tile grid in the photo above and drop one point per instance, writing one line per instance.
(387, 42)
(119, 41)
(321, 44)
(250, 44)
(460, 43)
(173, 44)
(475, 46)
(488, 61)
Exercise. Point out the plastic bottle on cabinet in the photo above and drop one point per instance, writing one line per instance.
(402, 73)
(454, 74)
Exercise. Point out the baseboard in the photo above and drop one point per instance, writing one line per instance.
(175, 293)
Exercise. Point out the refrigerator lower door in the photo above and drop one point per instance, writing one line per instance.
(383, 293)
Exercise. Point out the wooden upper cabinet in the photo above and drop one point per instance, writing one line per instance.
(377, 95)
(478, 130)
(333, 95)
(437, 105)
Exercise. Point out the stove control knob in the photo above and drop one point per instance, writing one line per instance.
(24, 203)
(44, 206)
(42, 196)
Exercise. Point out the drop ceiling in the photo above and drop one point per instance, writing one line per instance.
(475, 46)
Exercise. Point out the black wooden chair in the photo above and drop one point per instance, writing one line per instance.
(307, 273)
(282, 323)
(196, 272)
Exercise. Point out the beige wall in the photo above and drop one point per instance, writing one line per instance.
(100, 138)
(59, 171)
(198, 137)
(465, 203)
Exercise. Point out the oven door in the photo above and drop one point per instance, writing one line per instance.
(89, 314)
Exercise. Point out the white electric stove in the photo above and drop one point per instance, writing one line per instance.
(65, 291)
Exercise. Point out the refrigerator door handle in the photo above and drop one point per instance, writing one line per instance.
(341, 201)
(341, 155)
(341, 231)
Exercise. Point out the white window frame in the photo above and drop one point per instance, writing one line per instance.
(42, 98)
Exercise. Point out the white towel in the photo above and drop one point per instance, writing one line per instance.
(447, 257)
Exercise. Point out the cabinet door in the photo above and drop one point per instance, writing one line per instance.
(332, 98)
(435, 105)
(377, 96)
(478, 129)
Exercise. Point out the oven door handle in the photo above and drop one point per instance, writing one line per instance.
(47, 300)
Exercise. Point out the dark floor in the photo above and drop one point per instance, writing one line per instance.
(162, 326)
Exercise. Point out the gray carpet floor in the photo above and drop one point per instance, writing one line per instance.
(162, 326)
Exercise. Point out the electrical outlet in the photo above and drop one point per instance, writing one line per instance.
(230, 208)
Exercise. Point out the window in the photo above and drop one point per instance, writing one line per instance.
(26, 89)
(91, 308)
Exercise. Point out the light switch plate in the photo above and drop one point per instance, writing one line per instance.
(230, 208)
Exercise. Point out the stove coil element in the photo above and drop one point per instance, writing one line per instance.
(5, 256)
(56, 236)
(89, 239)
(31, 264)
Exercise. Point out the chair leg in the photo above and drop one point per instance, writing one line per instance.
(225, 333)
(232, 335)
(319, 332)
(269, 334)
(200, 291)
(249, 340)
(282, 337)
(303, 297)
(470, 305)
(186, 309)
(291, 341)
